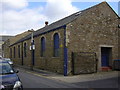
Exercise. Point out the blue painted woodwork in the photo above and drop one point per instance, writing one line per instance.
(105, 59)
(105, 56)
(56, 45)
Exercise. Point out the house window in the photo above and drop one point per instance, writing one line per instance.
(42, 47)
(19, 51)
(56, 45)
(25, 50)
(14, 52)
(10, 52)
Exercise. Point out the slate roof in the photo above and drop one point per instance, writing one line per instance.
(18, 37)
(58, 23)
(52, 26)
(3, 38)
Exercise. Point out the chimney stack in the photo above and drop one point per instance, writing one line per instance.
(46, 23)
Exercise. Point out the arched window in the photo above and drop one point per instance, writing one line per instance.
(56, 45)
(14, 52)
(10, 52)
(25, 50)
(19, 51)
(42, 47)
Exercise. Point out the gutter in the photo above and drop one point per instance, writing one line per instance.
(21, 40)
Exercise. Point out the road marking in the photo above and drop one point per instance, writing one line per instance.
(37, 74)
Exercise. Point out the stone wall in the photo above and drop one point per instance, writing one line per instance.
(95, 29)
(84, 62)
(11, 40)
(119, 38)
(48, 62)
(5, 49)
(4, 41)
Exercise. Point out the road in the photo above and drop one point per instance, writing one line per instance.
(105, 83)
(31, 80)
(35, 80)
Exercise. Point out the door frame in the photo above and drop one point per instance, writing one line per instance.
(99, 53)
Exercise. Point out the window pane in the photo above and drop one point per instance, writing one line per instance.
(42, 47)
(14, 52)
(25, 49)
(56, 45)
(11, 52)
(19, 51)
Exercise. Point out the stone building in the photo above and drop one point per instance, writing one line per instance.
(3, 38)
(84, 42)
(119, 36)
(5, 45)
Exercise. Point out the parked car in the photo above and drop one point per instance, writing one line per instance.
(0, 57)
(9, 61)
(10, 79)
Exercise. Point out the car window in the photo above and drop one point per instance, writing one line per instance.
(7, 59)
(6, 68)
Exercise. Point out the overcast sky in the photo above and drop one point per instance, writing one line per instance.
(17, 16)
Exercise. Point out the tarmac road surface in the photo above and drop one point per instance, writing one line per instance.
(32, 79)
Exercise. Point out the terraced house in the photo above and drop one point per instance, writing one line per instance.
(84, 42)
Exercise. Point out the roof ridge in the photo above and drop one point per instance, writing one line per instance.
(58, 20)
(73, 14)
(60, 23)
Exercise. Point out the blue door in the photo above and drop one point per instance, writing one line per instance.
(105, 56)
(105, 59)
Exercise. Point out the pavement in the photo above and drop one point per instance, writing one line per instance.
(87, 77)
(75, 78)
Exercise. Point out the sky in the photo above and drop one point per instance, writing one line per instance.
(17, 16)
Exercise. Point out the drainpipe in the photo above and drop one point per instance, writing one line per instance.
(65, 53)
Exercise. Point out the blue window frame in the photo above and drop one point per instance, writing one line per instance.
(42, 47)
(56, 45)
